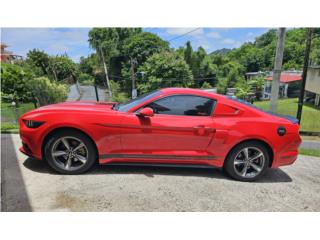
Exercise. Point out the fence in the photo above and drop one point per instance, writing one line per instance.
(10, 114)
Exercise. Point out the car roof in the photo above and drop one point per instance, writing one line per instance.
(191, 91)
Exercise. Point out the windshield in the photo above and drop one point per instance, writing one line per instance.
(124, 107)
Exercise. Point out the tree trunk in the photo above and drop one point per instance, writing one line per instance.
(105, 71)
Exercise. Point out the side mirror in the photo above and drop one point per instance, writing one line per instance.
(146, 112)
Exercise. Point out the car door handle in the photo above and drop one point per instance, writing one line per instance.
(203, 129)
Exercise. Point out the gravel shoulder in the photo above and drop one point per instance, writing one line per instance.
(29, 185)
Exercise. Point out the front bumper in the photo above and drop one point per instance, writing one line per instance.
(27, 152)
(31, 141)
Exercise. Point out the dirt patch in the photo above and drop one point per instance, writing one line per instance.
(70, 203)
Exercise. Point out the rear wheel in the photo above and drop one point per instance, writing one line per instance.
(70, 152)
(247, 161)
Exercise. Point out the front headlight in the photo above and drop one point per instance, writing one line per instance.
(32, 124)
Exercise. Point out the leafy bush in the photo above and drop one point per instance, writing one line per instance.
(117, 95)
(222, 86)
(85, 79)
(47, 92)
(206, 85)
(15, 82)
(257, 85)
(8, 126)
(243, 90)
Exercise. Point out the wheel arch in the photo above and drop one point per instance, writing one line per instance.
(59, 129)
(267, 145)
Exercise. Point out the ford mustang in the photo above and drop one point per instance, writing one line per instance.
(172, 126)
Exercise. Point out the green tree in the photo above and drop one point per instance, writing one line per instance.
(143, 45)
(107, 39)
(165, 69)
(188, 53)
(15, 83)
(91, 65)
(63, 68)
(39, 59)
(315, 47)
(111, 41)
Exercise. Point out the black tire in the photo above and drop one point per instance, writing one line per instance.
(90, 150)
(230, 166)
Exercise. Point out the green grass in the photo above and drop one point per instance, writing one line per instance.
(309, 152)
(10, 115)
(310, 115)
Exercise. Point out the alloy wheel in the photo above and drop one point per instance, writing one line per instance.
(69, 153)
(249, 162)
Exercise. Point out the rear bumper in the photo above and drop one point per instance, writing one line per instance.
(287, 158)
(288, 153)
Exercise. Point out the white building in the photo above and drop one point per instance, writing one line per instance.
(313, 85)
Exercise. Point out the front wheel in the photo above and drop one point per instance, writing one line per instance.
(70, 152)
(247, 161)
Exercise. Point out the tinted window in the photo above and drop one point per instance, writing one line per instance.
(290, 118)
(183, 105)
(124, 107)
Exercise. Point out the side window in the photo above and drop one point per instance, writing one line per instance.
(188, 105)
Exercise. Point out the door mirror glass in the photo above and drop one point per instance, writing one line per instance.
(146, 112)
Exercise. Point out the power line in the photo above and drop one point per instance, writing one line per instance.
(172, 39)
(166, 79)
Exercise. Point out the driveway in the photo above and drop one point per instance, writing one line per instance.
(86, 93)
(28, 185)
(74, 94)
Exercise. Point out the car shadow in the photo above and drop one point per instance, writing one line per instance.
(14, 196)
(271, 175)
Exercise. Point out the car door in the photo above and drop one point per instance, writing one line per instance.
(182, 125)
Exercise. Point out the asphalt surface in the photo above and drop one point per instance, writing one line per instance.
(86, 93)
(310, 144)
(74, 94)
(29, 185)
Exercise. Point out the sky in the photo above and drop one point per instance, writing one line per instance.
(74, 41)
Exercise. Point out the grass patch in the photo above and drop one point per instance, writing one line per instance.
(309, 152)
(310, 115)
(10, 115)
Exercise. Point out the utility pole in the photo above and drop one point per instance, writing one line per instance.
(277, 70)
(304, 73)
(105, 70)
(133, 77)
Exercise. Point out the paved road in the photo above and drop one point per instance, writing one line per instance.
(30, 185)
(310, 144)
(87, 93)
(74, 94)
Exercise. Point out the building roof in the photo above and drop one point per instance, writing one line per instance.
(286, 78)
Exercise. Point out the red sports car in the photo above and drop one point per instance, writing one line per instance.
(170, 126)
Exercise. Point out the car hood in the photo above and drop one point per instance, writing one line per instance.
(86, 106)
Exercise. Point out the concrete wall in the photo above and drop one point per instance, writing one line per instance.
(313, 80)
